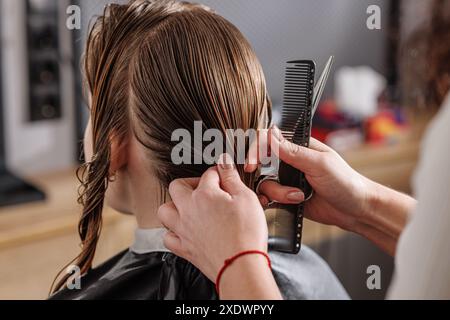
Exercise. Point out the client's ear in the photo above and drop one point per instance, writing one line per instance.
(119, 152)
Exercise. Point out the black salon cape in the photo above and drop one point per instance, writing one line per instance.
(164, 276)
(151, 276)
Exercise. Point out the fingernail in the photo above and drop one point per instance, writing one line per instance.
(226, 162)
(296, 196)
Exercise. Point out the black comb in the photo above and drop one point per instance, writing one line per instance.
(285, 222)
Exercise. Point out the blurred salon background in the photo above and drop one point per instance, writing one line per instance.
(374, 113)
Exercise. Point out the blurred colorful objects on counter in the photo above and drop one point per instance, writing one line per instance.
(342, 131)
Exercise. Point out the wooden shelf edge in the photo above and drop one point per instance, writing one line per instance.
(47, 230)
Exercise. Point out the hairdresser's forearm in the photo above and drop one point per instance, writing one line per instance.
(382, 240)
(387, 213)
(249, 278)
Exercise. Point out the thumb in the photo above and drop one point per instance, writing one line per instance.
(302, 158)
(230, 180)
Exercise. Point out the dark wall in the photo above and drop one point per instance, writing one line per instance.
(349, 257)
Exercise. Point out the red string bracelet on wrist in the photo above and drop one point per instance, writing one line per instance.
(230, 261)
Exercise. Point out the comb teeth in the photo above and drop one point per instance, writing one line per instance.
(297, 101)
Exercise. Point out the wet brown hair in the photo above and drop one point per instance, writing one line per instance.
(152, 67)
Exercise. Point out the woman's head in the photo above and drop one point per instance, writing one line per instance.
(153, 67)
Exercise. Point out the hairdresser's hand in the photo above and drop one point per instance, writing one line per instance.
(213, 218)
(341, 194)
(343, 197)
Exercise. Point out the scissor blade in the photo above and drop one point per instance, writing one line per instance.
(320, 86)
